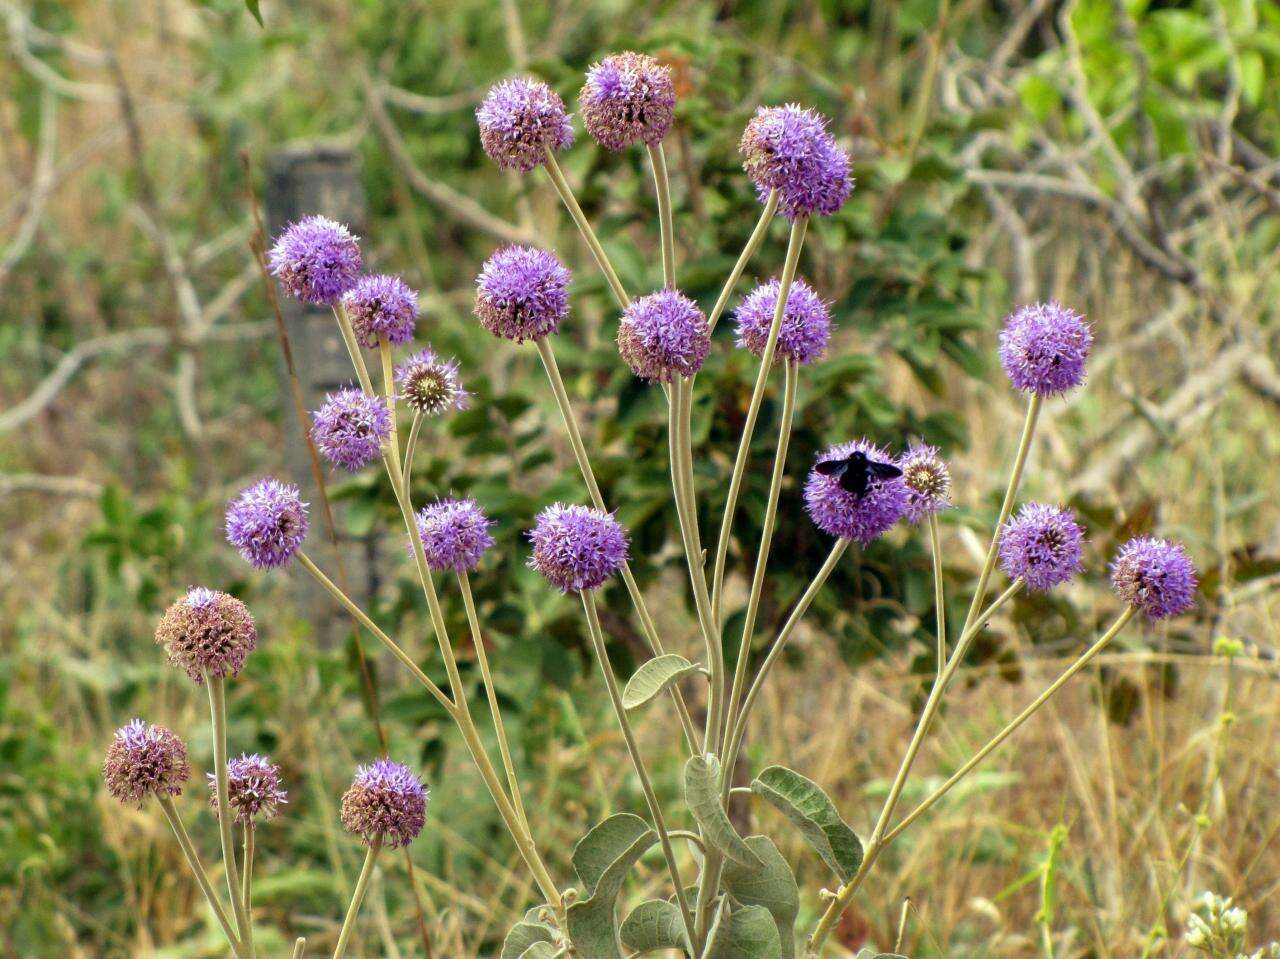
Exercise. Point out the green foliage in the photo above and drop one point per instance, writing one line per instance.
(771, 885)
(602, 859)
(654, 924)
(803, 802)
(702, 784)
(655, 676)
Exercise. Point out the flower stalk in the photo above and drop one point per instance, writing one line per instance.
(218, 715)
(200, 874)
(357, 898)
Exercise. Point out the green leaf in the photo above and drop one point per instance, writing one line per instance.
(540, 950)
(654, 924)
(702, 793)
(602, 859)
(523, 935)
(654, 677)
(746, 933)
(772, 886)
(803, 802)
(252, 7)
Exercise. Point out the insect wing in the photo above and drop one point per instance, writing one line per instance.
(832, 467)
(883, 470)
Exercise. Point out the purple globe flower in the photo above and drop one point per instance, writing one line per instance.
(381, 305)
(628, 98)
(928, 482)
(429, 385)
(577, 547)
(145, 760)
(207, 632)
(267, 523)
(385, 800)
(806, 322)
(1043, 348)
(519, 120)
(253, 789)
(455, 534)
(1154, 576)
(351, 428)
(837, 512)
(664, 335)
(316, 260)
(522, 293)
(1041, 545)
(788, 149)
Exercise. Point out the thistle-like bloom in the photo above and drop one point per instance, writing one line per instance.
(1042, 545)
(455, 534)
(381, 305)
(928, 481)
(207, 632)
(788, 149)
(253, 789)
(522, 293)
(1043, 348)
(1155, 576)
(431, 386)
(577, 547)
(628, 98)
(519, 120)
(351, 428)
(316, 260)
(806, 322)
(836, 511)
(145, 760)
(267, 523)
(664, 335)
(385, 800)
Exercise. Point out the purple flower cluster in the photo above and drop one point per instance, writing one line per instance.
(788, 149)
(253, 789)
(928, 482)
(455, 534)
(1041, 545)
(316, 260)
(351, 428)
(1043, 348)
(577, 547)
(1154, 576)
(628, 98)
(145, 760)
(664, 335)
(207, 633)
(519, 120)
(429, 385)
(267, 523)
(838, 512)
(385, 801)
(522, 293)
(806, 322)
(381, 306)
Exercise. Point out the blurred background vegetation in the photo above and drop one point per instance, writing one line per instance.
(1117, 154)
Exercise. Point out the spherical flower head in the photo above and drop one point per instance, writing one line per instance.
(381, 306)
(145, 760)
(806, 322)
(519, 120)
(207, 632)
(385, 800)
(928, 481)
(1155, 576)
(431, 386)
(788, 149)
(664, 335)
(522, 293)
(1041, 545)
(838, 512)
(628, 98)
(267, 523)
(351, 428)
(1043, 348)
(577, 547)
(455, 534)
(316, 260)
(253, 789)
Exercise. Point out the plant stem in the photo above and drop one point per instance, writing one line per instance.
(666, 225)
(939, 591)
(246, 885)
(389, 391)
(198, 871)
(299, 948)
(357, 897)
(218, 714)
(794, 244)
(353, 348)
(655, 808)
(584, 227)
(748, 251)
(410, 448)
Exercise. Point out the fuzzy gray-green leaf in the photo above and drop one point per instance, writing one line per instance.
(654, 677)
(655, 924)
(748, 932)
(772, 886)
(540, 950)
(602, 859)
(522, 936)
(702, 793)
(803, 802)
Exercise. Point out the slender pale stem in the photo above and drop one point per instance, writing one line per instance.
(584, 227)
(357, 897)
(246, 885)
(666, 223)
(655, 808)
(753, 412)
(410, 448)
(748, 251)
(299, 948)
(198, 871)
(389, 391)
(218, 714)
(939, 591)
(353, 349)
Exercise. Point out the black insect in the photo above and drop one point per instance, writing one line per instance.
(855, 471)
